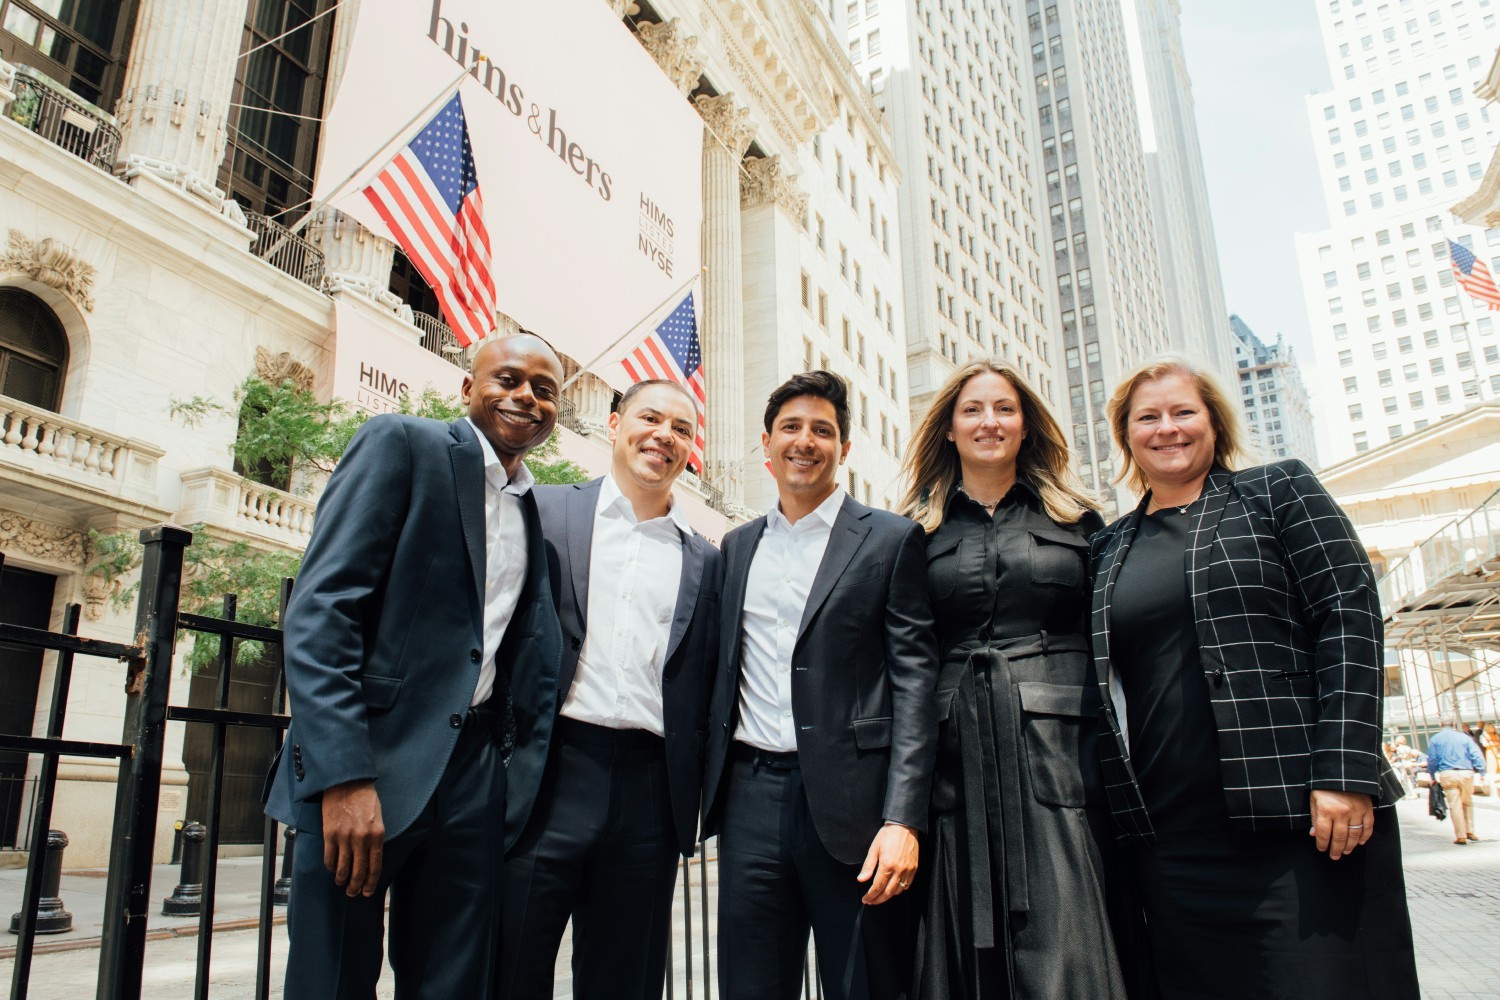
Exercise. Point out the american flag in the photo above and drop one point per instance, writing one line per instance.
(1473, 275)
(429, 198)
(671, 351)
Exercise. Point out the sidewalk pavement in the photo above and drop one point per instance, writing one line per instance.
(1453, 894)
(82, 893)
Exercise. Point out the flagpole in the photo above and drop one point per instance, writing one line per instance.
(583, 369)
(338, 189)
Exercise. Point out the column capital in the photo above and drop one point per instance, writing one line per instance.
(623, 7)
(675, 52)
(766, 183)
(726, 122)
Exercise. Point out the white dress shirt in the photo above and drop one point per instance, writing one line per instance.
(504, 556)
(635, 572)
(781, 577)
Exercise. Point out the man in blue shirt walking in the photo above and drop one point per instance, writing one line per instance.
(1453, 760)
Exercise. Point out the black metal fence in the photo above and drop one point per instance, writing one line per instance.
(128, 890)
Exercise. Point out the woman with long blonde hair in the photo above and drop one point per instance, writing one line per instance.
(1014, 890)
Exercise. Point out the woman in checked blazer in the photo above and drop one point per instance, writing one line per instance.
(1238, 644)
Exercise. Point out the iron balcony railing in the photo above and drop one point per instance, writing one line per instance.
(285, 250)
(439, 338)
(47, 108)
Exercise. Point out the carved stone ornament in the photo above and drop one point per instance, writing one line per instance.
(674, 51)
(278, 368)
(765, 182)
(53, 264)
(40, 539)
(96, 593)
(726, 122)
(623, 8)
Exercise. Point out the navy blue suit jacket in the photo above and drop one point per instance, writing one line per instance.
(384, 629)
(567, 514)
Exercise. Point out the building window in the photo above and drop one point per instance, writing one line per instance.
(273, 138)
(33, 350)
(83, 44)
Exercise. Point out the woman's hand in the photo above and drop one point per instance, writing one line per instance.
(1341, 821)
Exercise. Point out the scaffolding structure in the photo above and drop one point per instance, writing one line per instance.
(1442, 627)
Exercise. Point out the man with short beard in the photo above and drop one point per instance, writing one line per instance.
(422, 647)
(639, 603)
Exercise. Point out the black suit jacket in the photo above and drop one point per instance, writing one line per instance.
(1290, 637)
(385, 629)
(567, 516)
(864, 673)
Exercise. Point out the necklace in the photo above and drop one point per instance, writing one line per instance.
(989, 508)
(1182, 509)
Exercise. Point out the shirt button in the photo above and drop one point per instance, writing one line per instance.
(456, 721)
(782, 623)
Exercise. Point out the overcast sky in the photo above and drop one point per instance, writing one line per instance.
(1252, 65)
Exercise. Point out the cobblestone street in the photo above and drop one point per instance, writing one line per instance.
(1457, 961)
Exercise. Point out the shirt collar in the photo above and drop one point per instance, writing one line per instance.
(495, 472)
(826, 512)
(612, 501)
(1021, 492)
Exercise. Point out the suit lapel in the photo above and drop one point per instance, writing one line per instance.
(582, 504)
(1216, 490)
(1104, 597)
(736, 580)
(849, 531)
(687, 593)
(468, 480)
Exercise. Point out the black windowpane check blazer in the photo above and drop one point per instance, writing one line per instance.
(1290, 638)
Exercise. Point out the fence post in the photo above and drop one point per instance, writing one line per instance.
(282, 893)
(127, 898)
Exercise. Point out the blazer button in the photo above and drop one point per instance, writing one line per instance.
(1218, 676)
(577, 642)
(456, 721)
(474, 655)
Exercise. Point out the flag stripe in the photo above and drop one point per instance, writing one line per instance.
(428, 196)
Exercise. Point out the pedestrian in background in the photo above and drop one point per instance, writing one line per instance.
(1013, 894)
(1453, 759)
(1237, 636)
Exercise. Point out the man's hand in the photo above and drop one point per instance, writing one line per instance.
(353, 836)
(1341, 821)
(892, 862)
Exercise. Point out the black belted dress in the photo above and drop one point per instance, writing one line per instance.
(1012, 884)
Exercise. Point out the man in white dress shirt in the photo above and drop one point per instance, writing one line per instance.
(823, 728)
(639, 604)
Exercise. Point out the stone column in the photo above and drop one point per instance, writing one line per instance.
(590, 398)
(765, 183)
(675, 52)
(727, 132)
(175, 106)
(355, 260)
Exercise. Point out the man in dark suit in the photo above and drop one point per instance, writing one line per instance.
(639, 604)
(823, 726)
(422, 648)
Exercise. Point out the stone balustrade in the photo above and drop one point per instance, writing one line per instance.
(52, 445)
(222, 499)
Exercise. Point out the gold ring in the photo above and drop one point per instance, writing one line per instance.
(904, 885)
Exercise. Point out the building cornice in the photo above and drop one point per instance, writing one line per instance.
(1489, 89)
(1482, 208)
(1418, 439)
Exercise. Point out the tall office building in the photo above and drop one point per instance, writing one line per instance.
(1191, 281)
(1277, 411)
(977, 277)
(1401, 137)
(1109, 284)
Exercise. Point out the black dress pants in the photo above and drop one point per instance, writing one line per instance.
(442, 874)
(599, 849)
(777, 881)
